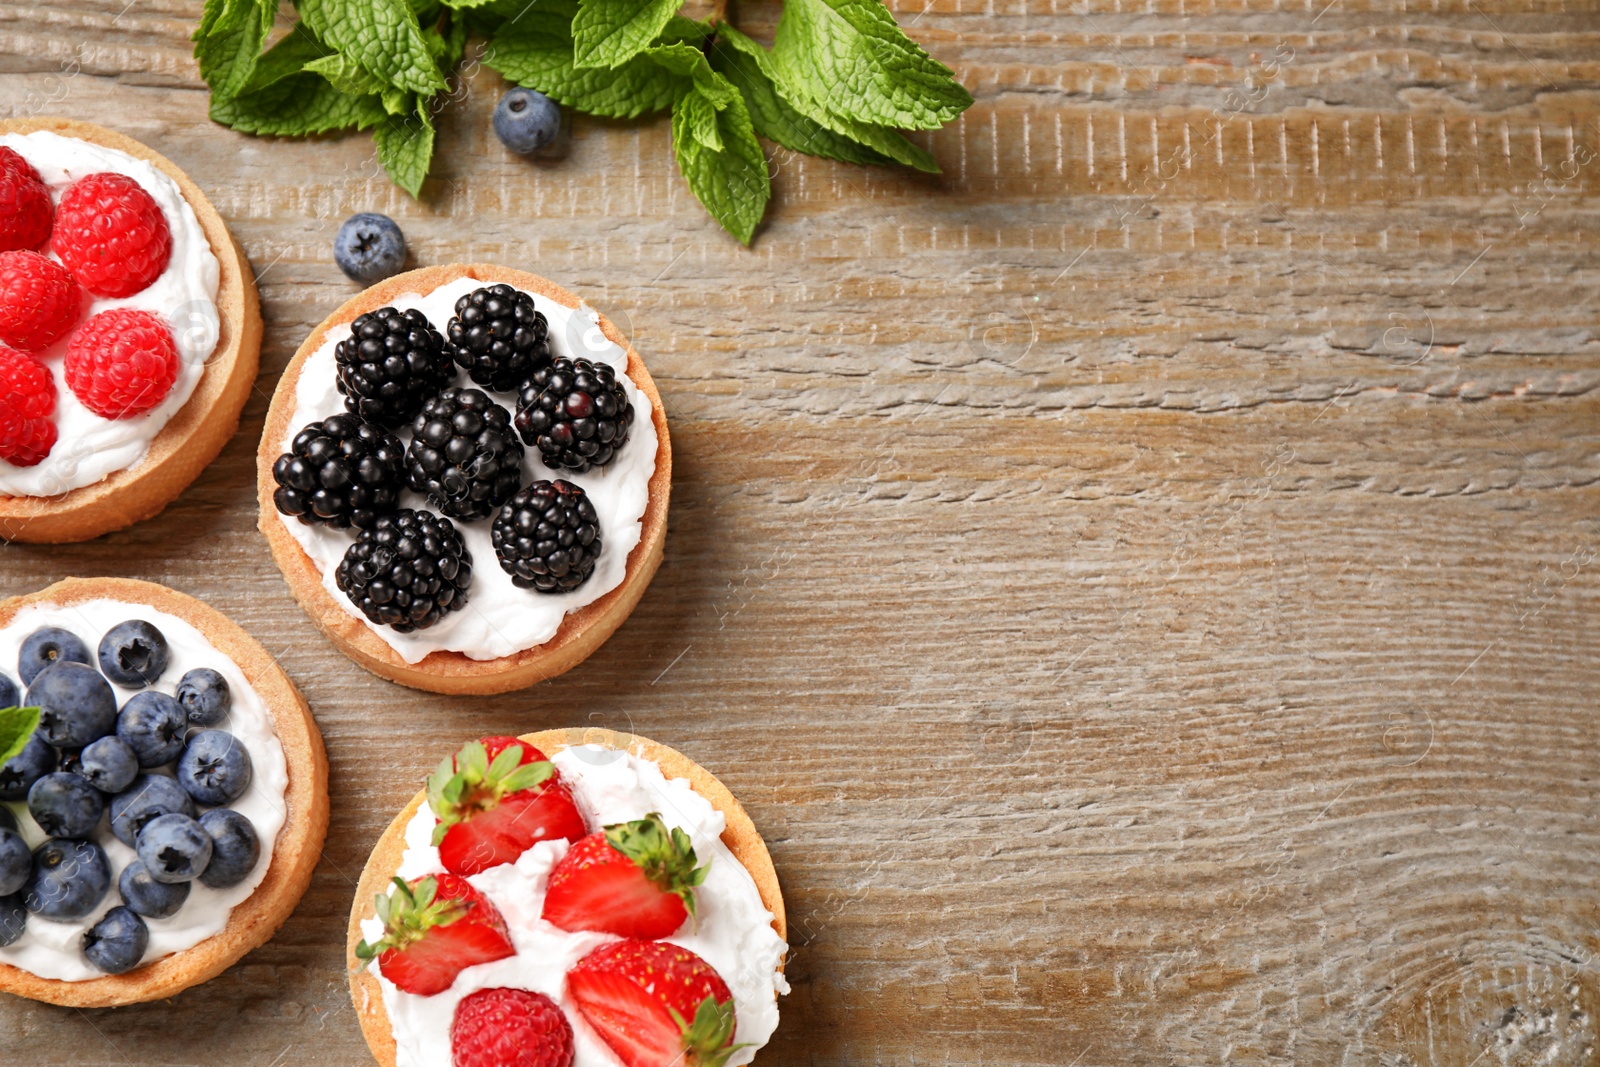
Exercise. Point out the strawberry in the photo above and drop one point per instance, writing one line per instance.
(492, 812)
(433, 929)
(510, 1028)
(656, 1004)
(632, 879)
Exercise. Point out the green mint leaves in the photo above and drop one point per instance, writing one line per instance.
(16, 726)
(840, 81)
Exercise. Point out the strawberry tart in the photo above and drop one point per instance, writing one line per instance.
(129, 331)
(464, 478)
(572, 898)
(165, 817)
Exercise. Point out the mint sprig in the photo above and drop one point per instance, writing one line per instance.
(840, 81)
(16, 726)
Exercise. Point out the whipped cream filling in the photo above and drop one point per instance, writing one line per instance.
(89, 448)
(498, 619)
(53, 949)
(733, 933)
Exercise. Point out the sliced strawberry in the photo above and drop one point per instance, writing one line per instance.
(632, 879)
(494, 805)
(433, 929)
(655, 1004)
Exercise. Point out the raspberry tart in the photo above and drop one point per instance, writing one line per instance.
(165, 817)
(130, 331)
(570, 898)
(464, 478)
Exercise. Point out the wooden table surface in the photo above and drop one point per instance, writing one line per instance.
(1142, 582)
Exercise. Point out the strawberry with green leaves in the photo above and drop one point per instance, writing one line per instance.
(433, 929)
(632, 879)
(655, 1004)
(494, 800)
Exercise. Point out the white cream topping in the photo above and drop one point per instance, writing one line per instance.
(53, 949)
(499, 619)
(733, 933)
(89, 448)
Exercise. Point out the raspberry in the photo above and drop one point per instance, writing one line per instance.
(27, 400)
(25, 208)
(121, 363)
(112, 235)
(39, 301)
(510, 1028)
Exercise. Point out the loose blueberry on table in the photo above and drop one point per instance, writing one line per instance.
(409, 568)
(526, 121)
(144, 766)
(369, 247)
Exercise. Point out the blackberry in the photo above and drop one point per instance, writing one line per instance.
(576, 412)
(498, 337)
(547, 537)
(340, 472)
(391, 362)
(464, 455)
(407, 571)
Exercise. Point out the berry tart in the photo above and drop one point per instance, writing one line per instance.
(571, 898)
(165, 817)
(464, 479)
(130, 331)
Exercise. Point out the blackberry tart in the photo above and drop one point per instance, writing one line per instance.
(546, 574)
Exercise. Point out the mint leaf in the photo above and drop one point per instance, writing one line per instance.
(295, 106)
(536, 51)
(446, 48)
(405, 147)
(346, 75)
(699, 117)
(747, 65)
(689, 61)
(289, 56)
(731, 183)
(607, 33)
(228, 43)
(16, 726)
(380, 35)
(850, 57)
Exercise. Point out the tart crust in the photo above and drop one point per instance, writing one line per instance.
(253, 922)
(193, 436)
(581, 632)
(739, 835)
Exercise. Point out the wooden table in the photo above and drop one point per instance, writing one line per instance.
(1142, 583)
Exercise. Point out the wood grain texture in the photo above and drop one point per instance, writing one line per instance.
(1141, 583)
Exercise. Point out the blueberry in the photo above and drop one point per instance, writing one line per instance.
(369, 247)
(69, 879)
(10, 695)
(526, 121)
(75, 704)
(65, 805)
(154, 726)
(16, 862)
(8, 821)
(150, 898)
(133, 654)
(13, 919)
(214, 768)
(149, 796)
(36, 760)
(174, 848)
(109, 764)
(50, 645)
(117, 942)
(204, 696)
(235, 848)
